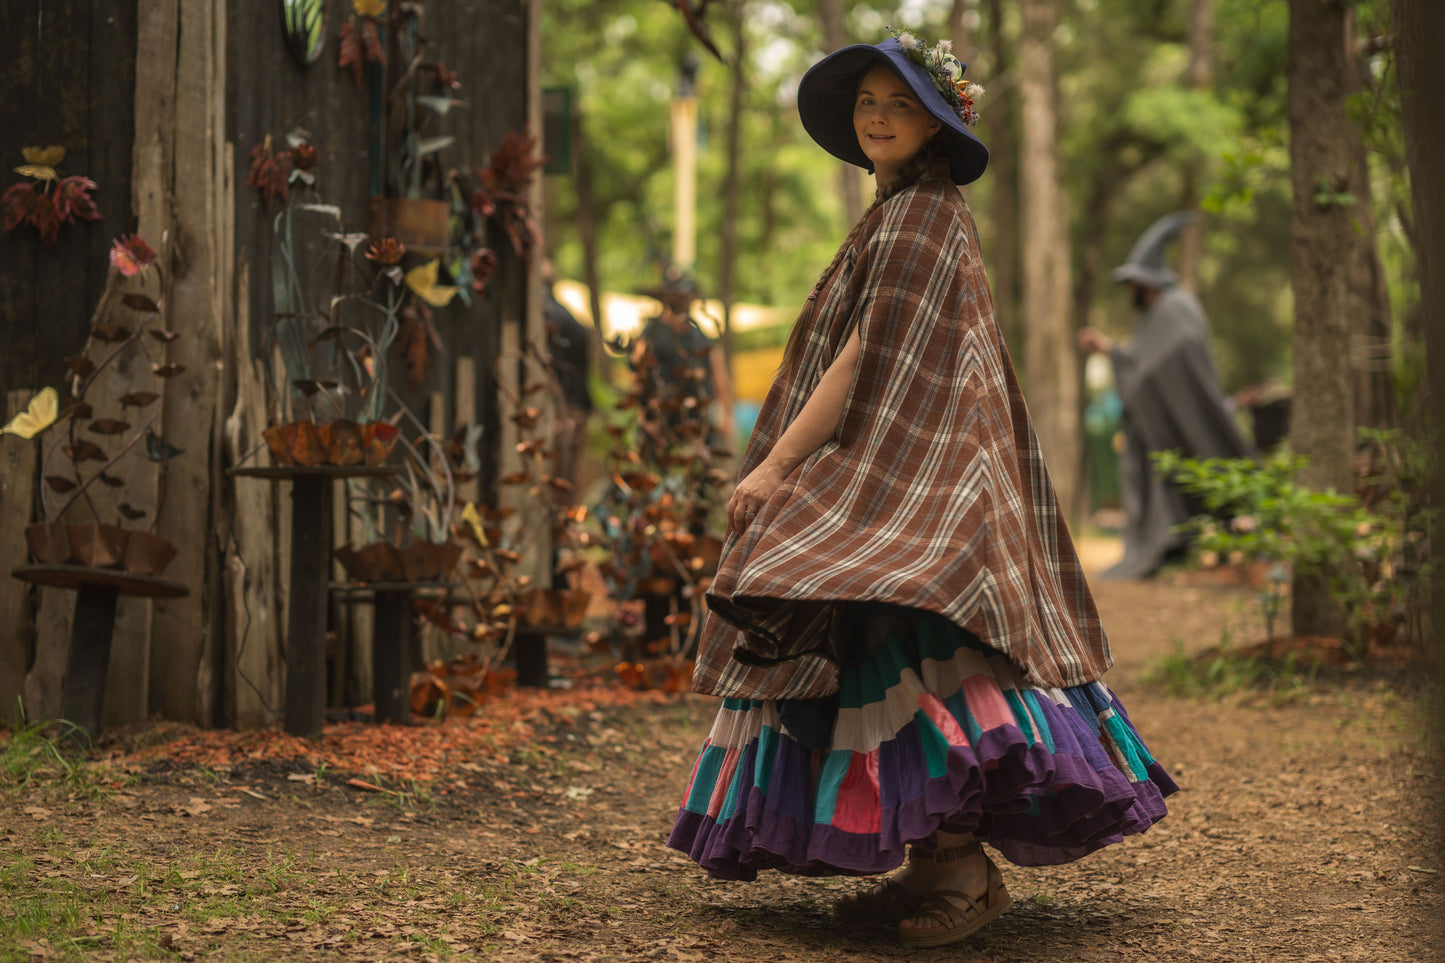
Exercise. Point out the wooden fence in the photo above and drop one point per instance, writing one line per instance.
(159, 102)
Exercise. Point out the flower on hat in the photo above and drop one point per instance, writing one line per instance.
(945, 71)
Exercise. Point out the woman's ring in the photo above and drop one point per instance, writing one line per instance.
(749, 513)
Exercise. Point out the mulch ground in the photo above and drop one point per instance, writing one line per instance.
(534, 831)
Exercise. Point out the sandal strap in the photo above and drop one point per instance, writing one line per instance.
(888, 898)
(949, 907)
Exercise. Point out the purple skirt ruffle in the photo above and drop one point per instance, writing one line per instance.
(930, 730)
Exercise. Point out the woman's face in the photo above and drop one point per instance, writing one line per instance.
(890, 122)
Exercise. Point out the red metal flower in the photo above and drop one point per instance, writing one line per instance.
(269, 173)
(513, 163)
(130, 255)
(484, 265)
(386, 251)
(446, 79)
(360, 45)
(19, 201)
(46, 210)
(303, 157)
(73, 201)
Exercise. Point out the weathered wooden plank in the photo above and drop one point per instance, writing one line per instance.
(64, 68)
(465, 405)
(90, 645)
(248, 533)
(272, 94)
(127, 678)
(62, 105)
(19, 249)
(199, 278)
(110, 125)
(17, 601)
(306, 599)
(46, 679)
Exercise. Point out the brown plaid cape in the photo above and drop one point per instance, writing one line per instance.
(932, 493)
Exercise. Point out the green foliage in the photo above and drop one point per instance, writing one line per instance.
(36, 752)
(1370, 555)
(1327, 196)
(1136, 140)
(1222, 671)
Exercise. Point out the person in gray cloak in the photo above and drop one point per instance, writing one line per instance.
(1171, 396)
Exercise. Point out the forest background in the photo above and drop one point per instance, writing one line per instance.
(1160, 105)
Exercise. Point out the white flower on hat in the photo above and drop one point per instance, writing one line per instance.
(945, 71)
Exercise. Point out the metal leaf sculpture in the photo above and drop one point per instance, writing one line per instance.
(159, 450)
(305, 23)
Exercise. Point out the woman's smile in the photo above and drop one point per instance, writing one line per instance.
(890, 123)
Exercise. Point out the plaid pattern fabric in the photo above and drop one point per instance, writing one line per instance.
(932, 493)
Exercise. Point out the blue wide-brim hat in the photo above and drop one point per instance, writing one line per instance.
(828, 89)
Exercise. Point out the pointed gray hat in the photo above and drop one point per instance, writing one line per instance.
(1145, 263)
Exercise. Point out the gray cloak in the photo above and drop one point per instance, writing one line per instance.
(1172, 400)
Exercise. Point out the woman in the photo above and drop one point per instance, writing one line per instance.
(899, 625)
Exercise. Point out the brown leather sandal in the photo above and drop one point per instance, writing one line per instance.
(958, 914)
(888, 902)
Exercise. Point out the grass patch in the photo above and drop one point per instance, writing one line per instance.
(41, 752)
(1223, 671)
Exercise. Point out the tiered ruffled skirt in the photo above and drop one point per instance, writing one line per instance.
(930, 730)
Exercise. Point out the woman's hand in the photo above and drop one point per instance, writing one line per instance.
(751, 494)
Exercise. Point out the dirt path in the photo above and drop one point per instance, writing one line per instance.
(1300, 835)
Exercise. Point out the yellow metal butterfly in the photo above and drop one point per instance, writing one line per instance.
(40, 414)
(40, 162)
(423, 280)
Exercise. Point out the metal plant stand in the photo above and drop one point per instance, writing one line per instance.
(305, 709)
(97, 591)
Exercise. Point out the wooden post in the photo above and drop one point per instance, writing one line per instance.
(529, 652)
(345, 655)
(89, 657)
(466, 414)
(254, 554)
(684, 156)
(391, 654)
(185, 200)
(128, 680)
(306, 601)
(17, 617)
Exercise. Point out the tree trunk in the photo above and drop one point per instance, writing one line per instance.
(958, 30)
(1371, 343)
(1322, 416)
(1002, 256)
(733, 176)
(1050, 362)
(1418, 25)
(587, 232)
(835, 36)
(1201, 74)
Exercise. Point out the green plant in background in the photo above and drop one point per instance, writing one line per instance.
(1369, 547)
